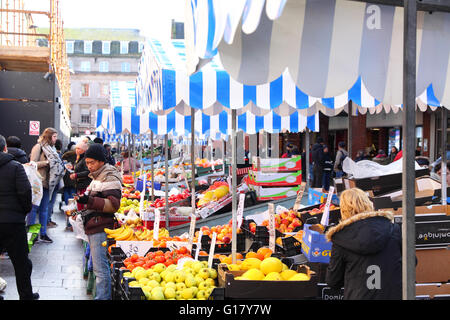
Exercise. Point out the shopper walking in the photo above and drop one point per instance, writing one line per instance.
(128, 162)
(51, 169)
(69, 157)
(81, 172)
(15, 149)
(109, 157)
(102, 201)
(15, 202)
(340, 157)
(327, 165)
(317, 155)
(393, 154)
(366, 255)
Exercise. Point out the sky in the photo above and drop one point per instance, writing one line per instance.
(152, 17)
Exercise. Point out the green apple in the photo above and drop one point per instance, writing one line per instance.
(172, 267)
(194, 290)
(169, 276)
(157, 293)
(190, 281)
(169, 293)
(202, 286)
(147, 293)
(171, 285)
(153, 284)
(204, 273)
(212, 273)
(143, 281)
(159, 267)
(201, 294)
(162, 284)
(180, 276)
(155, 276)
(180, 286)
(178, 295)
(210, 282)
(134, 284)
(187, 293)
(198, 279)
(205, 264)
(197, 266)
(209, 291)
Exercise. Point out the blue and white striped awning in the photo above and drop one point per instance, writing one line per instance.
(325, 45)
(163, 84)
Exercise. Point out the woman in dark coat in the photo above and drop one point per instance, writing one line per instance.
(366, 256)
(80, 176)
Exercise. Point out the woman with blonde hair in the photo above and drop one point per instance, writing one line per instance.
(366, 255)
(81, 171)
(51, 169)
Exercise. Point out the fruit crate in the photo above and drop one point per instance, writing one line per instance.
(116, 255)
(291, 246)
(217, 294)
(215, 261)
(334, 216)
(224, 247)
(261, 232)
(132, 293)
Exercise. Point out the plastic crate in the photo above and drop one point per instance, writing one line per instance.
(116, 255)
(132, 293)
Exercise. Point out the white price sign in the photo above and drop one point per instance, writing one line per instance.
(175, 245)
(240, 210)
(299, 196)
(326, 212)
(199, 244)
(192, 229)
(204, 212)
(272, 227)
(134, 247)
(211, 250)
(156, 224)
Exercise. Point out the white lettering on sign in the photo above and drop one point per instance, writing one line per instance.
(374, 20)
(272, 227)
(211, 250)
(35, 127)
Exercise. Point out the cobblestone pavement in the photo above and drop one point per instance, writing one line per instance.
(57, 267)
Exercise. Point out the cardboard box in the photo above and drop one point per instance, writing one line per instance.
(275, 179)
(314, 245)
(382, 184)
(433, 265)
(271, 193)
(433, 291)
(277, 164)
(316, 196)
(252, 289)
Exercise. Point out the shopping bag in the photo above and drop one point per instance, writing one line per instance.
(32, 233)
(78, 228)
(36, 182)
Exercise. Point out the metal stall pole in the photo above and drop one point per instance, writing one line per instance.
(233, 186)
(166, 174)
(444, 156)
(152, 165)
(350, 129)
(408, 177)
(192, 161)
(308, 178)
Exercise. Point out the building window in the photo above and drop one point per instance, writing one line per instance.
(85, 118)
(70, 46)
(88, 47)
(70, 63)
(85, 90)
(104, 90)
(106, 47)
(85, 66)
(126, 67)
(123, 47)
(104, 66)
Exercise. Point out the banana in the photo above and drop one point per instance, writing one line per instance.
(125, 235)
(113, 231)
(144, 235)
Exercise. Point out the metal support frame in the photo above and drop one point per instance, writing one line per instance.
(307, 143)
(152, 146)
(444, 156)
(166, 175)
(233, 186)
(192, 161)
(408, 176)
(350, 129)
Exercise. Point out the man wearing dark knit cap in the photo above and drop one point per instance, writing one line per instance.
(102, 198)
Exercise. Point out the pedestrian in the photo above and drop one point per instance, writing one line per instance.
(398, 156)
(109, 157)
(434, 164)
(58, 147)
(70, 157)
(15, 203)
(98, 140)
(327, 165)
(51, 169)
(393, 153)
(340, 157)
(418, 151)
(317, 155)
(438, 173)
(128, 162)
(81, 171)
(359, 156)
(366, 253)
(102, 201)
(381, 157)
(15, 149)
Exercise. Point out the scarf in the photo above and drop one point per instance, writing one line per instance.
(56, 167)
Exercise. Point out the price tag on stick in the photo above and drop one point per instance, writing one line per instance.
(211, 250)
(199, 244)
(299, 196)
(272, 227)
(192, 229)
(326, 212)
(240, 210)
(156, 224)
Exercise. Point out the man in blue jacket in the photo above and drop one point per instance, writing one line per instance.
(15, 203)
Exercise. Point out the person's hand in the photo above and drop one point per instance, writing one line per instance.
(73, 176)
(83, 199)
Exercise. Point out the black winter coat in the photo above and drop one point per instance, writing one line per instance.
(15, 190)
(317, 154)
(366, 257)
(71, 157)
(82, 172)
(18, 154)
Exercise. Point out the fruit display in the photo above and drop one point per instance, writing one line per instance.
(217, 191)
(318, 210)
(285, 221)
(165, 281)
(153, 258)
(224, 233)
(205, 163)
(127, 233)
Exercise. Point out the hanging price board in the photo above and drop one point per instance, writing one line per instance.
(156, 224)
(299, 196)
(204, 212)
(240, 210)
(272, 227)
(199, 244)
(134, 247)
(211, 250)
(326, 212)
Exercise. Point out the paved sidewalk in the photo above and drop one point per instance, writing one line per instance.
(57, 267)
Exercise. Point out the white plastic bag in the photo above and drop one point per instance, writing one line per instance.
(367, 169)
(36, 182)
(78, 228)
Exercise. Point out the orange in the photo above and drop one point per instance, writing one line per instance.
(251, 254)
(263, 253)
(239, 256)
